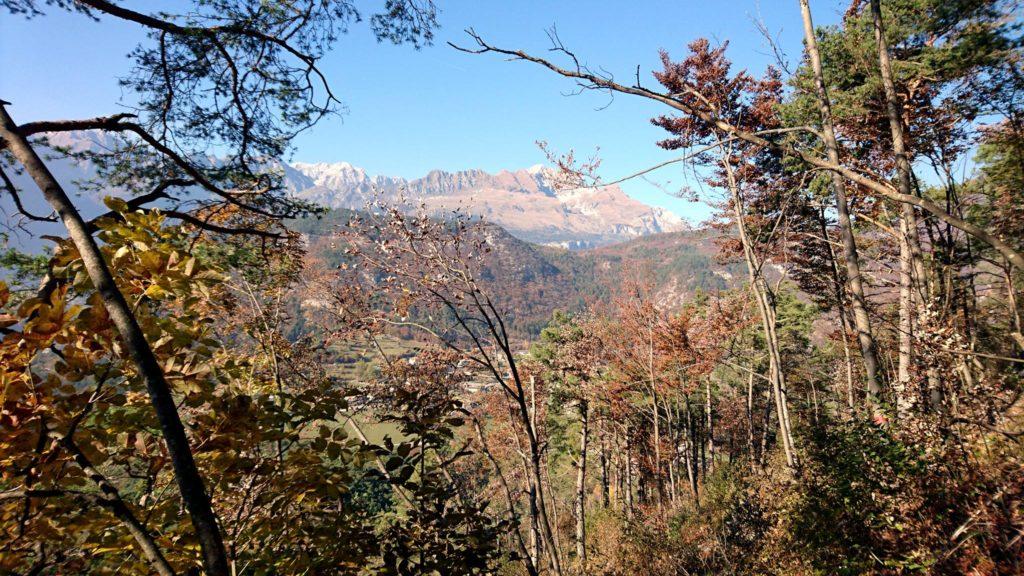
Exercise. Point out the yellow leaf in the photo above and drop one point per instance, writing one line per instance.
(116, 204)
(155, 292)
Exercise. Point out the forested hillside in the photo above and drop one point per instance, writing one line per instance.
(213, 373)
(531, 282)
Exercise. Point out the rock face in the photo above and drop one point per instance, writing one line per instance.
(523, 202)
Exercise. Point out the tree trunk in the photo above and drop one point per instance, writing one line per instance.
(529, 557)
(673, 457)
(840, 296)
(581, 488)
(858, 302)
(905, 323)
(655, 416)
(606, 496)
(535, 536)
(766, 428)
(766, 306)
(711, 428)
(911, 262)
(691, 454)
(629, 476)
(1011, 299)
(190, 483)
(750, 420)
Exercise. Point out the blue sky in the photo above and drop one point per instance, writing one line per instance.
(412, 111)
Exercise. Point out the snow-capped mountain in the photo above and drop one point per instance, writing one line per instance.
(524, 201)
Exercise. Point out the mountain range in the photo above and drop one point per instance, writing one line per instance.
(524, 202)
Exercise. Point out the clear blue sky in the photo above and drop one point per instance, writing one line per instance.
(412, 111)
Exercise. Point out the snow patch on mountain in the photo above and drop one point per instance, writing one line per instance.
(524, 202)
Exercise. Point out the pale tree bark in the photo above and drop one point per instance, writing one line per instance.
(545, 539)
(581, 488)
(529, 556)
(858, 302)
(674, 455)
(555, 548)
(691, 454)
(905, 323)
(766, 426)
(911, 262)
(190, 483)
(766, 306)
(840, 295)
(655, 414)
(750, 420)
(535, 536)
(1011, 299)
(711, 427)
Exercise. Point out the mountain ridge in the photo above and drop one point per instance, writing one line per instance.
(523, 201)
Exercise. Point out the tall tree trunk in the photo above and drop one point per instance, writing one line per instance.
(581, 488)
(529, 556)
(840, 297)
(629, 475)
(750, 420)
(655, 415)
(670, 464)
(605, 477)
(766, 306)
(911, 262)
(905, 323)
(535, 537)
(549, 536)
(533, 463)
(1011, 299)
(691, 453)
(766, 428)
(858, 302)
(555, 546)
(710, 427)
(190, 483)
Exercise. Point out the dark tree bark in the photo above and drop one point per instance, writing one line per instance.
(605, 477)
(190, 483)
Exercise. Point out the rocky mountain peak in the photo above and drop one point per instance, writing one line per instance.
(522, 201)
